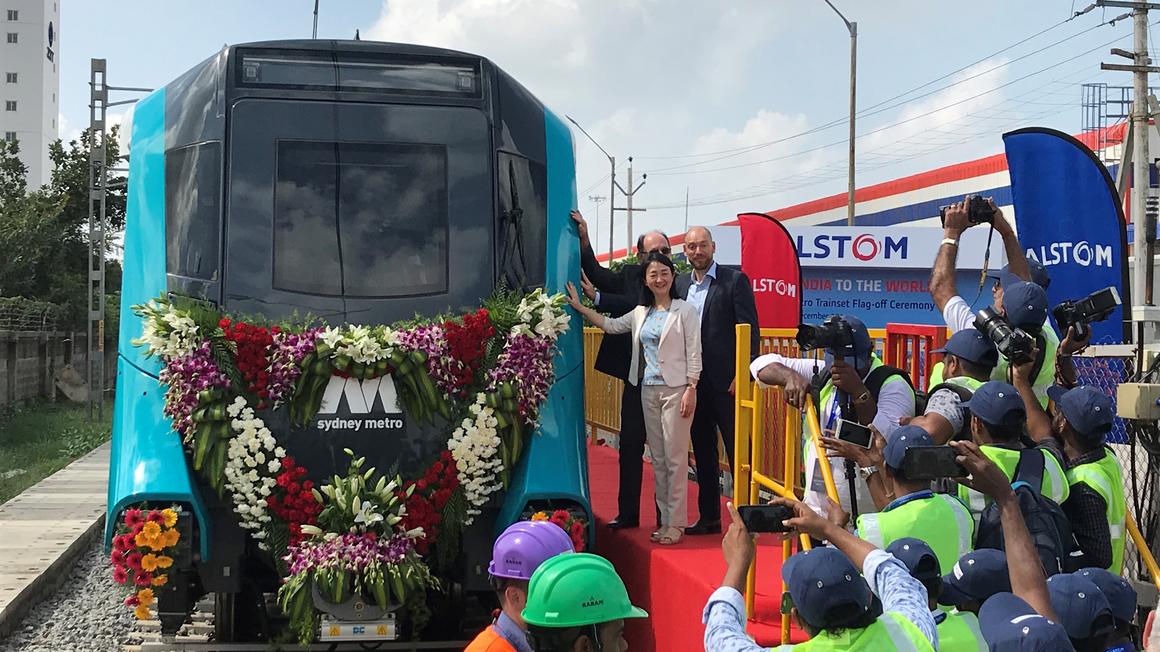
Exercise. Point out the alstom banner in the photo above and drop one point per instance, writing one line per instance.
(1070, 219)
(768, 258)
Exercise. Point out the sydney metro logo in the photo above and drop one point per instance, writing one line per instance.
(864, 247)
(361, 397)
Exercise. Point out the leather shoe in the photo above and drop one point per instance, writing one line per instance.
(704, 527)
(622, 524)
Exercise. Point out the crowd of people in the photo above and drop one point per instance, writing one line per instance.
(1019, 546)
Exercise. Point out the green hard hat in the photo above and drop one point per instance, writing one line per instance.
(577, 589)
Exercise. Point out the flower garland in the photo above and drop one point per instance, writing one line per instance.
(475, 447)
(293, 501)
(374, 555)
(487, 374)
(254, 458)
(139, 556)
(428, 498)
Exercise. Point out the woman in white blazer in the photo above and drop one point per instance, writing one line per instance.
(666, 363)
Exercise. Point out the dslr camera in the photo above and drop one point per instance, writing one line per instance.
(1013, 343)
(833, 334)
(1097, 306)
(978, 211)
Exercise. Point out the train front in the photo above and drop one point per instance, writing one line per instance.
(354, 183)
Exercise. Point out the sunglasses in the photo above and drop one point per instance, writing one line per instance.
(786, 603)
(662, 250)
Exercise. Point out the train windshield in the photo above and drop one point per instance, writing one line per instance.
(359, 212)
(336, 206)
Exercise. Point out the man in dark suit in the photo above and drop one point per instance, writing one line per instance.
(617, 293)
(724, 298)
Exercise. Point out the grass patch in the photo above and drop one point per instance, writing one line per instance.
(42, 438)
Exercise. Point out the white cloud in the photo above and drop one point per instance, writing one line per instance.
(678, 77)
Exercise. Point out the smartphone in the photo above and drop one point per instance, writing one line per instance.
(855, 433)
(765, 518)
(932, 463)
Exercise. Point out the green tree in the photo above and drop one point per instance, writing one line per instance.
(13, 173)
(70, 178)
(44, 234)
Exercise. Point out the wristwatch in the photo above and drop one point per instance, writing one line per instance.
(865, 472)
(862, 398)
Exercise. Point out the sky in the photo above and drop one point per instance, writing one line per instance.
(741, 104)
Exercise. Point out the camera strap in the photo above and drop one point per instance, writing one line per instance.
(1040, 358)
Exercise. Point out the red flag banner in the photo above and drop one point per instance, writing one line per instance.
(770, 260)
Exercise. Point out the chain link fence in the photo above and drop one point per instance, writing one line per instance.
(1136, 445)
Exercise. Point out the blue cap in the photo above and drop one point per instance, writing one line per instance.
(1010, 625)
(902, 439)
(917, 556)
(1038, 275)
(1081, 607)
(996, 403)
(1025, 305)
(826, 588)
(1119, 592)
(972, 346)
(977, 575)
(1089, 411)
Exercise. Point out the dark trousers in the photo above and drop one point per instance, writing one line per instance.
(714, 411)
(631, 452)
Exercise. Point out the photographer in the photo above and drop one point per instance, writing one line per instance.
(970, 358)
(882, 609)
(915, 511)
(1095, 504)
(1023, 304)
(997, 418)
(879, 395)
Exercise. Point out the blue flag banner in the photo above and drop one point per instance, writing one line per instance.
(1069, 217)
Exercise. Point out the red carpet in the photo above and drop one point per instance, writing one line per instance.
(673, 583)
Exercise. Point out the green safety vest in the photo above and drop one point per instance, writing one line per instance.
(828, 391)
(1054, 485)
(1106, 478)
(890, 632)
(959, 632)
(940, 520)
(1045, 379)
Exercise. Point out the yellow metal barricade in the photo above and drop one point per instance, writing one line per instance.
(601, 391)
(753, 435)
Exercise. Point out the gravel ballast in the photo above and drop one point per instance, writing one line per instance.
(85, 613)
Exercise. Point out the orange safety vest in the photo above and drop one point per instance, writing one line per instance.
(489, 640)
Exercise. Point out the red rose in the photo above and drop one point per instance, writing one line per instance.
(224, 323)
(308, 485)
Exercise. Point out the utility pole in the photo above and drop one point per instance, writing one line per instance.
(596, 199)
(853, 29)
(628, 201)
(98, 187)
(611, 185)
(1144, 238)
(315, 33)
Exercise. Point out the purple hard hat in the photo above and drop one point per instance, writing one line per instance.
(524, 545)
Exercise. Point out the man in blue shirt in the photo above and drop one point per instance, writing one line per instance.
(831, 600)
(723, 298)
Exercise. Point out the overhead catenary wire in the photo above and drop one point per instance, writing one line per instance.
(842, 120)
(675, 172)
(891, 153)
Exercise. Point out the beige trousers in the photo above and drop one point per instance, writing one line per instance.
(667, 434)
